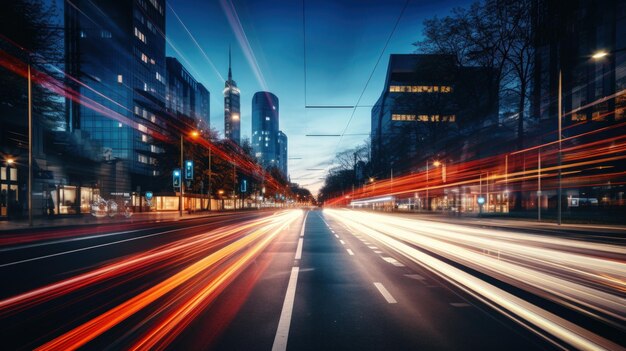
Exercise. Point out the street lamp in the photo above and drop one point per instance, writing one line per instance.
(436, 163)
(599, 54)
(10, 161)
(193, 134)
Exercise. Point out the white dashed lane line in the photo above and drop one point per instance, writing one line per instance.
(350, 252)
(383, 291)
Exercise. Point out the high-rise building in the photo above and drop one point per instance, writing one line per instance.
(232, 115)
(116, 50)
(282, 156)
(186, 99)
(426, 101)
(265, 128)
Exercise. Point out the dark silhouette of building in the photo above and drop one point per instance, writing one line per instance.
(567, 35)
(232, 115)
(428, 106)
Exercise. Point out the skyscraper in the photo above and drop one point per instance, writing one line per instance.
(282, 152)
(117, 52)
(232, 116)
(265, 128)
(186, 99)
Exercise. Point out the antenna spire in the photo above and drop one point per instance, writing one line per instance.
(230, 74)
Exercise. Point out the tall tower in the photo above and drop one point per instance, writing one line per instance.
(232, 117)
(265, 128)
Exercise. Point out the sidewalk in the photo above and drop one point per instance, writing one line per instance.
(87, 219)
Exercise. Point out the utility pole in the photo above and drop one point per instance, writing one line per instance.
(539, 185)
(560, 116)
(30, 148)
(210, 179)
(182, 182)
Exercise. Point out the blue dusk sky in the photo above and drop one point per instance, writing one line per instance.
(344, 40)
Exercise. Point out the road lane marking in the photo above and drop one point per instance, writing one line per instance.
(372, 247)
(414, 276)
(350, 252)
(383, 291)
(299, 249)
(336, 236)
(282, 332)
(378, 252)
(393, 261)
(342, 242)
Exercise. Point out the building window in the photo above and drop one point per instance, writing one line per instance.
(144, 138)
(105, 34)
(142, 128)
(144, 58)
(420, 89)
(160, 78)
(83, 34)
(140, 35)
(423, 118)
(142, 158)
(120, 79)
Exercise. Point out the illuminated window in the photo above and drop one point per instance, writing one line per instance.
(144, 58)
(140, 35)
(420, 89)
(144, 138)
(142, 158)
(120, 79)
(142, 128)
(105, 34)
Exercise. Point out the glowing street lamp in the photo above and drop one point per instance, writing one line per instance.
(599, 54)
(10, 161)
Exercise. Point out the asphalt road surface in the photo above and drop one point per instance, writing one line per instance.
(309, 280)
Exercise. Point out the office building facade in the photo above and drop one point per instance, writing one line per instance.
(283, 157)
(232, 114)
(264, 139)
(567, 35)
(117, 52)
(427, 100)
(186, 99)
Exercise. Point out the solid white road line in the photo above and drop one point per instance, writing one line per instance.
(282, 332)
(350, 252)
(385, 293)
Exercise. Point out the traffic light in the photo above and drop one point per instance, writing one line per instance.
(188, 170)
(176, 178)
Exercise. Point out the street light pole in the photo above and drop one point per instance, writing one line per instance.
(182, 183)
(539, 185)
(30, 148)
(560, 112)
(210, 179)
(427, 199)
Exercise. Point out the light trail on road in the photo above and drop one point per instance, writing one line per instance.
(184, 276)
(589, 278)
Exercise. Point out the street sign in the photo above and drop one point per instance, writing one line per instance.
(480, 200)
(188, 169)
(176, 178)
(244, 186)
(149, 197)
